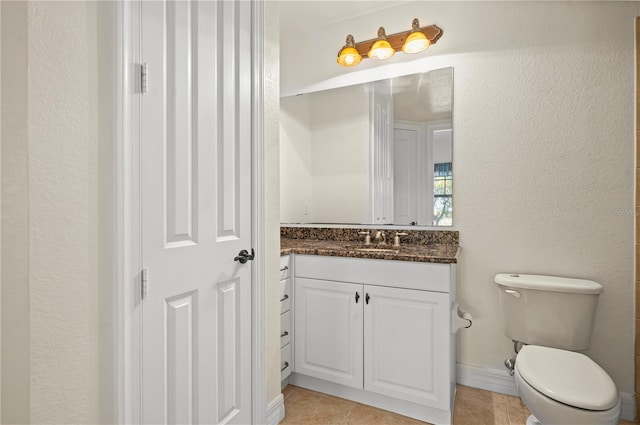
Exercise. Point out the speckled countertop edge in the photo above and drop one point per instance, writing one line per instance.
(424, 253)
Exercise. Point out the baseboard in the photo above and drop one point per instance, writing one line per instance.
(275, 410)
(500, 381)
(628, 409)
(284, 383)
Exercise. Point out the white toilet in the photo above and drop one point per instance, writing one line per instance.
(554, 317)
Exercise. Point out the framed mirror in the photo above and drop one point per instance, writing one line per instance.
(376, 153)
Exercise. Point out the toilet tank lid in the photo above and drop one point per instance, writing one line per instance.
(548, 283)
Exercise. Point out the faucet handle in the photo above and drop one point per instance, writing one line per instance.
(367, 237)
(396, 239)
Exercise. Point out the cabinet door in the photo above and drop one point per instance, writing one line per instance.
(406, 345)
(328, 324)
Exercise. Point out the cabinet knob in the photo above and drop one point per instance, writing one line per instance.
(357, 297)
(367, 298)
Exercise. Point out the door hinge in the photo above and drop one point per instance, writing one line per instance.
(144, 283)
(144, 78)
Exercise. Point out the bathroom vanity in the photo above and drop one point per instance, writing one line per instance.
(373, 325)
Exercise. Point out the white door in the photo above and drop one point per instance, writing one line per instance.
(328, 326)
(405, 178)
(406, 345)
(381, 174)
(196, 212)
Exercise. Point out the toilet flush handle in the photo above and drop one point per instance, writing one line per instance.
(512, 292)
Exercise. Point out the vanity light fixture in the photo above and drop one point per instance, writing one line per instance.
(348, 55)
(384, 46)
(417, 41)
(381, 49)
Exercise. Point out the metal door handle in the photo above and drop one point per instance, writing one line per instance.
(244, 256)
(286, 297)
(357, 297)
(284, 269)
(286, 365)
(367, 298)
(283, 334)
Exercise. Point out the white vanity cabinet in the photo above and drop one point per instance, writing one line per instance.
(286, 322)
(377, 332)
(328, 319)
(404, 332)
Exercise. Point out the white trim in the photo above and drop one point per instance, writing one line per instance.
(628, 408)
(260, 412)
(421, 412)
(127, 245)
(275, 411)
(497, 381)
(501, 382)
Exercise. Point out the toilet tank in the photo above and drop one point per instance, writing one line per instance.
(546, 310)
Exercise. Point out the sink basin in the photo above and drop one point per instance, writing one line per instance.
(377, 250)
(372, 248)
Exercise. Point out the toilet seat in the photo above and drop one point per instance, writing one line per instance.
(567, 377)
(550, 412)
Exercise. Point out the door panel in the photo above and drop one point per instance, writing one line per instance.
(405, 179)
(196, 212)
(180, 141)
(404, 335)
(328, 326)
(180, 323)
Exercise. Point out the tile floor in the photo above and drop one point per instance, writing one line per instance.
(472, 407)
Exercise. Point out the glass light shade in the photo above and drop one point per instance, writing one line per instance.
(416, 42)
(381, 49)
(349, 56)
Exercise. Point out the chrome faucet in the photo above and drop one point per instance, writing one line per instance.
(380, 235)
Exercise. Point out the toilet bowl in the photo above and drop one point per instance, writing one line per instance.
(553, 317)
(565, 387)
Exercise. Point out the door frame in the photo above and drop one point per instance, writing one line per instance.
(127, 249)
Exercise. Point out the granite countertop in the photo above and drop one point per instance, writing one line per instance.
(444, 253)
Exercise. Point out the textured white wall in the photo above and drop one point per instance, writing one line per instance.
(56, 203)
(15, 216)
(63, 162)
(295, 160)
(324, 154)
(543, 149)
(340, 155)
(271, 134)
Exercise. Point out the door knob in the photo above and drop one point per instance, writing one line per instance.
(244, 256)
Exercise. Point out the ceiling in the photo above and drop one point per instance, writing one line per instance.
(298, 16)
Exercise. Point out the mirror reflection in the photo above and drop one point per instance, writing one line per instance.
(375, 153)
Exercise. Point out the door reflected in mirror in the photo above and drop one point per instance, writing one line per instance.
(376, 153)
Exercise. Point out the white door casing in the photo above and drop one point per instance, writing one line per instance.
(196, 189)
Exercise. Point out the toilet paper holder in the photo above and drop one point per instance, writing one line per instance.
(459, 319)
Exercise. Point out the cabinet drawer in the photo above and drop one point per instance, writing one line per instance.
(286, 363)
(285, 267)
(398, 274)
(285, 328)
(285, 295)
